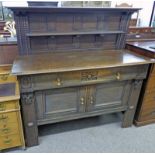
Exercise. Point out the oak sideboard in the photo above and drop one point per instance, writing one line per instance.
(72, 65)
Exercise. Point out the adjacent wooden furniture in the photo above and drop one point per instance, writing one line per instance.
(8, 52)
(146, 108)
(11, 131)
(141, 34)
(73, 65)
(139, 30)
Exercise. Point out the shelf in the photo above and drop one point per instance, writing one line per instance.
(73, 33)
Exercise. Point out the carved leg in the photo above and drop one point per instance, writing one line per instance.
(132, 104)
(29, 119)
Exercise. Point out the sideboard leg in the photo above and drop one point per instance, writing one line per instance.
(29, 119)
(132, 104)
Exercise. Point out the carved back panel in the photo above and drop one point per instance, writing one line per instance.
(41, 30)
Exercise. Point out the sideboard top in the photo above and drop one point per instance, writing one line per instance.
(70, 9)
(74, 61)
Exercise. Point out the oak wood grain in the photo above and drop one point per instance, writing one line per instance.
(74, 61)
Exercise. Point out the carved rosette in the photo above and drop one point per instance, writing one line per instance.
(137, 83)
(26, 82)
(27, 98)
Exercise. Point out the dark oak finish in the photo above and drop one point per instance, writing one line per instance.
(73, 65)
(73, 61)
(42, 30)
(119, 79)
(145, 111)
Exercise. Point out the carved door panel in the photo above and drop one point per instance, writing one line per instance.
(60, 102)
(109, 95)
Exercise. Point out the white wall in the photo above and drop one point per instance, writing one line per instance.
(144, 14)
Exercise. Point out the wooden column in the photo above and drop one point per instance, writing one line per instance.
(132, 104)
(29, 119)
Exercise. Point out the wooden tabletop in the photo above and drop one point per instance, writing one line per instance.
(74, 61)
(145, 45)
(5, 69)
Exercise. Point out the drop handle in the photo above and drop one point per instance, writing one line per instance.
(82, 100)
(3, 117)
(4, 77)
(8, 141)
(6, 130)
(118, 76)
(59, 83)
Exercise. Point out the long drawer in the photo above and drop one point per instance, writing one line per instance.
(9, 128)
(76, 78)
(9, 117)
(148, 107)
(6, 78)
(147, 114)
(9, 105)
(9, 141)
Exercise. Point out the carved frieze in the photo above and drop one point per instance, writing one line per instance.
(26, 83)
(27, 98)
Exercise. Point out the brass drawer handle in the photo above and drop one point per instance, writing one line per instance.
(59, 82)
(6, 130)
(2, 107)
(8, 141)
(3, 117)
(118, 76)
(4, 77)
(82, 100)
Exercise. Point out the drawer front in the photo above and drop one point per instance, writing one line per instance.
(7, 78)
(152, 70)
(65, 79)
(11, 105)
(151, 83)
(148, 106)
(9, 117)
(149, 99)
(147, 113)
(9, 141)
(9, 128)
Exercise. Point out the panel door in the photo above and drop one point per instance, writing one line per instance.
(56, 103)
(109, 95)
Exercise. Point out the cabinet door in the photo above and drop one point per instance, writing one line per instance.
(110, 95)
(56, 103)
